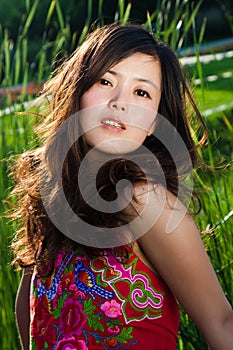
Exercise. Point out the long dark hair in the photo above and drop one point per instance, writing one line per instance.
(38, 239)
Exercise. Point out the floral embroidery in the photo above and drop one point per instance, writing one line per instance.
(89, 304)
(71, 344)
(139, 301)
(139, 298)
(85, 280)
(73, 310)
(72, 318)
(43, 327)
(111, 309)
(112, 342)
(51, 292)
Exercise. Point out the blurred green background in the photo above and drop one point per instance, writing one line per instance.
(36, 33)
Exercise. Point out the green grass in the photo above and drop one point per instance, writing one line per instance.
(217, 92)
(213, 67)
(213, 95)
(16, 135)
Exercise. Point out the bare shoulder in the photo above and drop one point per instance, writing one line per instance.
(159, 207)
(171, 228)
(173, 245)
(156, 193)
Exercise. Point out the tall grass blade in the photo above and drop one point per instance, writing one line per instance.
(125, 18)
(100, 12)
(202, 31)
(84, 33)
(150, 18)
(7, 49)
(50, 12)
(198, 62)
(148, 23)
(24, 52)
(17, 65)
(227, 123)
(30, 17)
(89, 11)
(27, 5)
(121, 7)
(24, 85)
(59, 15)
(192, 15)
(188, 20)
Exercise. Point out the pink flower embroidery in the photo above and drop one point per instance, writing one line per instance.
(111, 309)
(114, 330)
(77, 292)
(73, 287)
(72, 318)
(59, 259)
(71, 344)
(59, 289)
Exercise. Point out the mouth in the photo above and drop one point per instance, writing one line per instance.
(113, 123)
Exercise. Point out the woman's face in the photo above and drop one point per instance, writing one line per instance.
(118, 112)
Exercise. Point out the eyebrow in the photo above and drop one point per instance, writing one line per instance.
(142, 80)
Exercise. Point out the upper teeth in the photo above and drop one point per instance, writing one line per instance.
(113, 123)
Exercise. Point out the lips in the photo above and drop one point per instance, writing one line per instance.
(112, 123)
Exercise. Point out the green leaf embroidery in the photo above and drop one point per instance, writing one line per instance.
(88, 308)
(61, 301)
(113, 321)
(94, 323)
(33, 345)
(68, 269)
(57, 311)
(124, 335)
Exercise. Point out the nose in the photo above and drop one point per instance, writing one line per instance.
(118, 104)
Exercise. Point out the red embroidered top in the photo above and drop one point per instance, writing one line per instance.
(102, 303)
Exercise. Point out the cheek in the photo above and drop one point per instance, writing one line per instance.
(143, 120)
(138, 135)
(91, 98)
(88, 138)
(86, 100)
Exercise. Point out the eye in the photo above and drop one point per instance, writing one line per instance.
(142, 93)
(104, 81)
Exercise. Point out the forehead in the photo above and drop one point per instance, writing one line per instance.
(138, 65)
(140, 58)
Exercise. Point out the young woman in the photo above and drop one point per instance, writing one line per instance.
(106, 242)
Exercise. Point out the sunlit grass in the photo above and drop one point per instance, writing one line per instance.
(213, 67)
(214, 97)
(217, 82)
